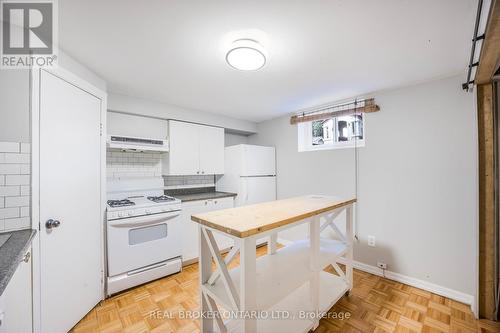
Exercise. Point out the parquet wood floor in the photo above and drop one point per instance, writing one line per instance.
(375, 304)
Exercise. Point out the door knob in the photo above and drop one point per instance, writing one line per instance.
(52, 224)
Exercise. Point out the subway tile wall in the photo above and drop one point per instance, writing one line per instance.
(120, 164)
(176, 182)
(15, 186)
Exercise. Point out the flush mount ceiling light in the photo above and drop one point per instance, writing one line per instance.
(246, 55)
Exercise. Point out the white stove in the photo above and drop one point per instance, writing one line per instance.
(144, 233)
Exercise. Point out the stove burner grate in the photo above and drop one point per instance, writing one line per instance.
(161, 198)
(120, 203)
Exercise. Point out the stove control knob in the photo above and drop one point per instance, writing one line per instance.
(130, 212)
(121, 214)
(148, 211)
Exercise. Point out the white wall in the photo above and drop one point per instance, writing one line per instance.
(150, 108)
(69, 63)
(417, 180)
(14, 105)
(231, 139)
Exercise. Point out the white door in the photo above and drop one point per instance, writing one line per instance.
(258, 161)
(70, 176)
(184, 156)
(255, 190)
(211, 150)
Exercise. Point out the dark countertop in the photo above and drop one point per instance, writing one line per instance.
(198, 193)
(204, 196)
(12, 252)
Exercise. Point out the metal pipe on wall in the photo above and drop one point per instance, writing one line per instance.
(475, 39)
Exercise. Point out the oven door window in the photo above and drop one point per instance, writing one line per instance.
(147, 234)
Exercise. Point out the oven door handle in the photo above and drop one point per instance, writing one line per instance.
(130, 222)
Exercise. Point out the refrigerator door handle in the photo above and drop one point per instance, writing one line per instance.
(244, 188)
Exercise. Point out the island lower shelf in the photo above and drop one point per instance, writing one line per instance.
(277, 274)
(299, 307)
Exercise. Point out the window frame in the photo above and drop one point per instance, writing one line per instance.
(304, 136)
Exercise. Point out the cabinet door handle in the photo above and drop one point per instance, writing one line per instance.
(26, 257)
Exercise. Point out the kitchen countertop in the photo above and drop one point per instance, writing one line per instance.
(12, 252)
(250, 220)
(197, 193)
(204, 196)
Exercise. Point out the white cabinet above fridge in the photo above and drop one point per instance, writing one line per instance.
(194, 150)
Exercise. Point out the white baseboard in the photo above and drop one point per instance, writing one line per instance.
(417, 283)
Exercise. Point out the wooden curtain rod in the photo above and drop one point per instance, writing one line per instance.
(369, 107)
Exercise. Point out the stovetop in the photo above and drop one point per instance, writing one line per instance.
(140, 201)
(138, 197)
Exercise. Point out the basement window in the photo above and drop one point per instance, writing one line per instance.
(347, 131)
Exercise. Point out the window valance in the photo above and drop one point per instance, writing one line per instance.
(337, 110)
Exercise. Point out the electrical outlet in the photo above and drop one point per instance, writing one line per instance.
(371, 241)
(381, 264)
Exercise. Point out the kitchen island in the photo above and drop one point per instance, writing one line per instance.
(286, 290)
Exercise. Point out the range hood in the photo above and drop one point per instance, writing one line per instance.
(136, 144)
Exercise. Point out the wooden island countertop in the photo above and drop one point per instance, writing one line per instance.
(250, 220)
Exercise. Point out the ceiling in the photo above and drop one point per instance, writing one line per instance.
(318, 51)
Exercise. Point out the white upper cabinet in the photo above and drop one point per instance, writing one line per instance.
(122, 124)
(211, 150)
(194, 150)
(184, 155)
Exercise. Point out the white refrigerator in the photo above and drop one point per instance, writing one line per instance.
(250, 172)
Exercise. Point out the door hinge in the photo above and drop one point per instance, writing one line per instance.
(100, 129)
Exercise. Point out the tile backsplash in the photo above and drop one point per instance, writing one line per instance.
(176, 182)
(122, 164)
(15, 185)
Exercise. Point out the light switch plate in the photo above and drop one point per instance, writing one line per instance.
(371, 241)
